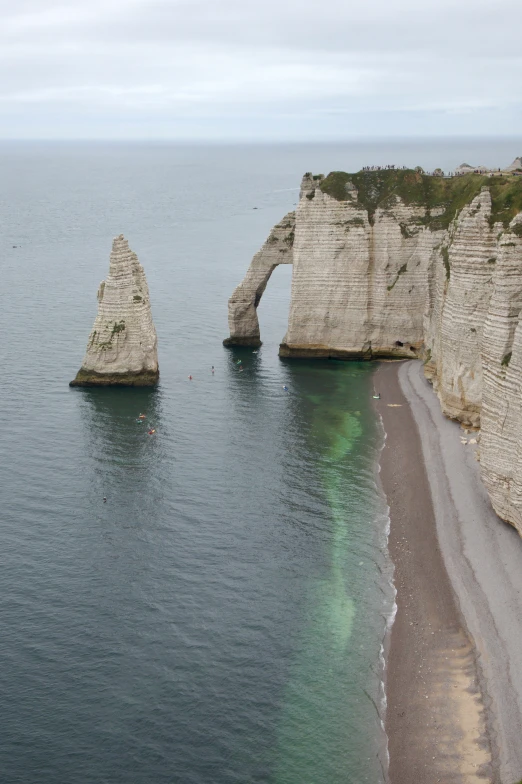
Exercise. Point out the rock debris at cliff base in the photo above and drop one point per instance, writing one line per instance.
(398, 264)
(122, 346)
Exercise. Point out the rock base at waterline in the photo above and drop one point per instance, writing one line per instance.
(89, 378)
(327, 352)
(251, 342)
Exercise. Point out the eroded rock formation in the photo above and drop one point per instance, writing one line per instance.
(517, 164)
(122, 347)
(400, 264)
(242, 305)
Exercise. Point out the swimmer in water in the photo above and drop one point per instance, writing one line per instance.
(212, 368)
(190, 378)
(104, 500)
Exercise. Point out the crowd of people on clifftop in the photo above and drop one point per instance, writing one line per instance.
(391, 166)
(436, 172)
(382, 168)
(475, 171)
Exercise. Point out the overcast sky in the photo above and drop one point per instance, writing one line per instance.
(274, 69)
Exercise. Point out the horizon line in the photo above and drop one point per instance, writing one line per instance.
(250, 141)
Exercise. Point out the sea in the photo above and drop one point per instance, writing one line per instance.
(222, 617)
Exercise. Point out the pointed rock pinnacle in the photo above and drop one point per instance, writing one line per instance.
(122, 347)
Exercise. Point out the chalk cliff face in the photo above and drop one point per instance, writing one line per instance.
(501, 415)
(359, 281)
(455, 317)
(398, 264)
(122, 347)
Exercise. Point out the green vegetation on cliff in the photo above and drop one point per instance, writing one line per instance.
(444, 252)
(378, 189)
(399, 273)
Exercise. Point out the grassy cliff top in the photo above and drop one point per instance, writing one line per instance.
(376, 188)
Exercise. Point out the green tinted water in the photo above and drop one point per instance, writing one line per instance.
(321, 713)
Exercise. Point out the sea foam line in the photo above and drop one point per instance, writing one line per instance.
(390, 617)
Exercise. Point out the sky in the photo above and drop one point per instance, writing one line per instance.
(275, 70)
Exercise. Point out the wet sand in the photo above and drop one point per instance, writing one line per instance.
(453, 688)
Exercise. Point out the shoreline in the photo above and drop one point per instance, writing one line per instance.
(435, 718)
(454, 688)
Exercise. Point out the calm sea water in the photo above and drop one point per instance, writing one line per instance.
(220, 619)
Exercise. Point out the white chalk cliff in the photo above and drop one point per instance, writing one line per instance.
(517, 164)
(501, 414)
(122, 346)
(399, 264)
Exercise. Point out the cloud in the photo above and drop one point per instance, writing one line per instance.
(204, 68)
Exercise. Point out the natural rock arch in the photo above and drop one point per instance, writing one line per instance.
(242, 305)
